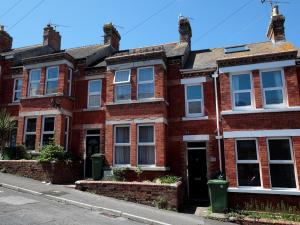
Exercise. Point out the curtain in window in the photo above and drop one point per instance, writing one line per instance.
(146, 155)
(122, 155)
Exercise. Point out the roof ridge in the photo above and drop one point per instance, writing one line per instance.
(85, 46)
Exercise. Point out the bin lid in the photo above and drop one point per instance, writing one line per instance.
(97, 155)
(217, 181)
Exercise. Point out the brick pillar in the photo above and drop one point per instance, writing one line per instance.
(109, 144)
(59, 130)
(159, 79)
(20, 131)
(160, 144)
(264, 162)
(110, 86)
(134, 84)
(38, 136)
(133, 144)
(291, 84)
(25, 82)
(62, 78)
(296, 152)
(230, 161)
(257, 89)
(225, 92)
(42, 90)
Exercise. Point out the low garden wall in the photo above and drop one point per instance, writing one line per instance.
(56, 173)
(168, 196)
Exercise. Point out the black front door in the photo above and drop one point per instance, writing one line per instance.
(92, 147)
(197, 174)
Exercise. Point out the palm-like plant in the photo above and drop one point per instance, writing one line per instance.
(6, 125)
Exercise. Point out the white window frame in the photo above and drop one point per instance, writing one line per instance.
(30, 133)
(286, 162)
(145, 82)
(30, 82)
(187, 114)
(66, 133)
(233, 92)
(122, 83)
(281, 105)
(121, 144)
(47, 132)
(257, 161)
(17, 91)
(93, 94)
(70, 72)
(146, 144)
(52, 79)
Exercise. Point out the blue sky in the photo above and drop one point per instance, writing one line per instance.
(215, 23)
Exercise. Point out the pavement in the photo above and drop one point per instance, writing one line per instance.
(67, 195)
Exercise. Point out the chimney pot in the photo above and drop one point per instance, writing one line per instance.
(52, 38)
(185, 30)
(5, 40)
(111, 36)
(276, 31)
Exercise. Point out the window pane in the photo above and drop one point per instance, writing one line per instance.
(279, 149)
(242, 99)
(95, 86)
(146, 134)
(271, 79)
(94, 100)
(52, 73)
(31, 125)
(35, 75)
(51, 87)
(34, 89)
(282, 175)
(122, 134)
(146, 155)
(274, 97)
(145, 90)
(194, 107)
(122, 154)
(194, 92)
(145, 74)
(96, 131)
(122, 76)
(17, 96)
(49, 124)
(196, 144)
(123, 92)
(47, 138)
(248, 174)
(241, 82)
(246, 149)
(30, 141)
(18, 84)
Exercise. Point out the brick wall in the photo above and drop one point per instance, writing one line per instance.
(144, 193)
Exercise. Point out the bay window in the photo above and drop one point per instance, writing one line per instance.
(241, 91)
(145, 83)
(281, 163)
(34, 82)
(122, 145)
(94, 93)
(17, 90)
(122, 85)
(273, 89)
(30, 133)
(48, 130)
(194, 100)
(248, 170)
(146, 145)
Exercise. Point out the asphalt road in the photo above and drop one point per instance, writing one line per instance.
(25, 209)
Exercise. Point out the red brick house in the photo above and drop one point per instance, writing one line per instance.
(165, 108)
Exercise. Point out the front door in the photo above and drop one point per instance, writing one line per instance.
(92, 146)
(197, 171)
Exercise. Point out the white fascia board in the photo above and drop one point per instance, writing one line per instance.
(141, 120)
(262, 133)
(200, 137)
(193, 80)
(48, 64)
(46, 112)
(137, 64)
(257, 66)
(261, 190)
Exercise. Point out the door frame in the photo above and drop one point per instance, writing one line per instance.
(187, 161)
(85, 136)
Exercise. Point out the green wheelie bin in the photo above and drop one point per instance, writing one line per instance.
(97, 165)
(218, 195)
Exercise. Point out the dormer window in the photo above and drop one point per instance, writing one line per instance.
(122, 85)
(52, 80)
(34, 82)
(145, 83)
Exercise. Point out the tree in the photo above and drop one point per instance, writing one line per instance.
(6, 125)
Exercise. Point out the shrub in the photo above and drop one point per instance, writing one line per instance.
(9, 153)
(21, 152)
(168, 179)
(51, 152)
(120, 173)
(161, 203)
(138, 172)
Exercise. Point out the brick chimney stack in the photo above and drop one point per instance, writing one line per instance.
(111, 36)
(52, 38)
(276, 27)
(5, 40)
(185, 30)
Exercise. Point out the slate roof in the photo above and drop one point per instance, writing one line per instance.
(207, 58)
(85, 51)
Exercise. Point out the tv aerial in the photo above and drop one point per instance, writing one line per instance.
(273, 2)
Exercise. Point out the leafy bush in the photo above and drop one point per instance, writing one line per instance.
(18, 152)
(161, 203)
(120, 173)
(51, 152)
(9, 153)
(168, 179)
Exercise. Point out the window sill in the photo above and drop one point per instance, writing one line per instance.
(194, 118)
(137, 101)
(13, 103)
(266, 110)
(260, 190)
(93, 109)
(42, 96)
(144, 168)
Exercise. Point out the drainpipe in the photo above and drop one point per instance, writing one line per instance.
(218, 137)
